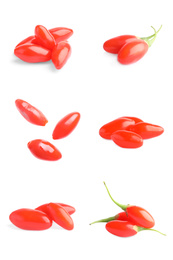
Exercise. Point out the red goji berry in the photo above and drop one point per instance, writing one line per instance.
(125, 228)
(66, 125)
(30, 219)
(44, 150)
(30, 113)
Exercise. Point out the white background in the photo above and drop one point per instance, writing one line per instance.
(96, 85)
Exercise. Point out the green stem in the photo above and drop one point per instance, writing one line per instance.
(151, 229)
(123, 207)
(150, 39)
(104, 220)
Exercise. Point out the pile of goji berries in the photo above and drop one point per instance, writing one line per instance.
(129, 48)
(129, 132)
(126, 132)
(43, 216)
(129, 222)
(46, 45)
(40, 148)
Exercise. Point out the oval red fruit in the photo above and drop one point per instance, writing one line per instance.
(115, 44)
(60, 54)
(141, 217)
(28, 40)
(44, 37)
(32, 53)
(59, 215)
(121, 228)
(30, 219)
(44, 150)
(118, 124)
(66, 125)
(30, 113)
(127, 139)
(132, 52)
(146, 130)
(136, 119)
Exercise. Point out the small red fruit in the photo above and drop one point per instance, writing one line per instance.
(44, 150)
(59, 215)
(30, 113)
(30, 219)
(60, 54)
(132, 51)
(44, 37)
(32, 53)
(66, 125)
(127, 139)
(146, 130)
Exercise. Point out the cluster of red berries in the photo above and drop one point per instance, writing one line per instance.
(129, 132)
(129, 48)
(129, 222)
(46, 45)
(43, 216)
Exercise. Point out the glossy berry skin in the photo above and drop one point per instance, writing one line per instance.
(59, 215)
(121, 216)
(127, 139)
(140, 216)
(61, 33)
(60, 54)
(30, 219)
(136, 119)
(28, 40)
(30, 113)
(44, 37)
(66, 125)
(118, 124)
(32, 53)
(68, 208)
(44, 150)
(132, 52)
(115, 44)
(121, 228)
(146, 130)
